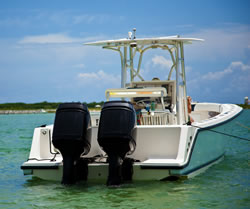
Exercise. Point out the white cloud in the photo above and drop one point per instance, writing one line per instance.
(83, 18)
(79, 66)
(49, 39)
(220, 43)
(162, 61)
(228, 85)
(233, 67)
(100, 78)
(188, 69)
(240, 66)
(57, 38)
(14, 22)
(217, 75)
(79, 19)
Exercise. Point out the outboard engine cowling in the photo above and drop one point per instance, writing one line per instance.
(116, 136)
(71, 136)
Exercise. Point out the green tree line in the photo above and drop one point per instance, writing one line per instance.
(41, 105)
(54, 105)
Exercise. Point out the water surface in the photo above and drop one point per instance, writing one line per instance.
(225, 185)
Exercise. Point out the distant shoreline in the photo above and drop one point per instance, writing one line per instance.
(42, 107)
(39, 106)
(244, 106)
(7, 112)
(40, 111)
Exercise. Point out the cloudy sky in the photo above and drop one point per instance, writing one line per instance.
(42, 56)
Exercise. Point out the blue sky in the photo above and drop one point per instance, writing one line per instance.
(42, 56)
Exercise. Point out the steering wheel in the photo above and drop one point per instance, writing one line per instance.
(142, 103)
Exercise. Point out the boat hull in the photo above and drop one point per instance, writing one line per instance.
(198, 147)
(99, 173)
(209, 147)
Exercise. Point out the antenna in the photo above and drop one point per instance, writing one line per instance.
(134, 30)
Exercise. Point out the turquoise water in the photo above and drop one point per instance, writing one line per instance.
(225, 185)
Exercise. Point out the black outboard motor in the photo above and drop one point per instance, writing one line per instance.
(116, 135)
(71, 136)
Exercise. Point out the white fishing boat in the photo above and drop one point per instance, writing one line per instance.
(145, 131)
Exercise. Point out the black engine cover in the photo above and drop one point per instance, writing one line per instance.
(71, 135)
(116, 136)
(116, 128)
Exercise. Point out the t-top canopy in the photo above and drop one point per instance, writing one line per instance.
(128, 47)
(171, 40)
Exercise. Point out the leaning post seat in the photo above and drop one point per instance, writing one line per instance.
(71, 136)
(116, 135)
